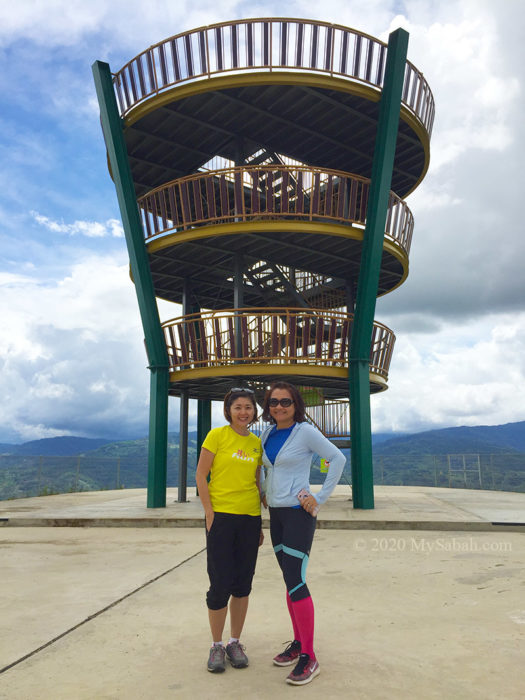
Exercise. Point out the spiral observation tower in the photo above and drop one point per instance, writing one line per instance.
(261, 167)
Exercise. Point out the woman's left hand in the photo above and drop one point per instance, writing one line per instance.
(309, 503)
(261, 538)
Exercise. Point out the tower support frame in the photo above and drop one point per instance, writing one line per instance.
(140, 269)
(360, 345)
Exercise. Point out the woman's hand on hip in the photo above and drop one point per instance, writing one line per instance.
(309, 504)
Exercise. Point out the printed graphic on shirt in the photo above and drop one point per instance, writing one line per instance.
(240, 454)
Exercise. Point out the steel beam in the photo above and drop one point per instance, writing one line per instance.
(183, 445)
(140, 269)
(203, 422)
(360, 346)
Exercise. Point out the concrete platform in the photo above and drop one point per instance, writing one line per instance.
(396, 507)
(401, 611)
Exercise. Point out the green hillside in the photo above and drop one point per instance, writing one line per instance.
(489, 457)
(507, 438)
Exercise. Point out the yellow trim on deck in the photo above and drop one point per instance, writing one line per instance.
(178, 375)
(256, 226)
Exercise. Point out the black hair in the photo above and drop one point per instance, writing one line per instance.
(232, 395)
(298, 402)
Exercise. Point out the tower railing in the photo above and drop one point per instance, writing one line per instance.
(332, 418)
(249, 193)
(267, 44)
(317, 337)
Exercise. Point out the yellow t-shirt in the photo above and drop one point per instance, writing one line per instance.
(232, 478)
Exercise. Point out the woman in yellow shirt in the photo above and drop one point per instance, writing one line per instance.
(231, 455)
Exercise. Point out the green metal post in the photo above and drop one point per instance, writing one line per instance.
(359, 354)
(140, 269)
(183, 445)
(203, 422)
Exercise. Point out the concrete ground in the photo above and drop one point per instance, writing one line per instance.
(423, 597)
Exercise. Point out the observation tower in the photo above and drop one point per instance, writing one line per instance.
(261, 167)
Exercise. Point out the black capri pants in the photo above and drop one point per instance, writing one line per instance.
(232, 547)
(292, 532)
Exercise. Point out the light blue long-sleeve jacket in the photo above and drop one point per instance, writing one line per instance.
(291, 471)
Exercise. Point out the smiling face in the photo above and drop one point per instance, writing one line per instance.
(242, 412)
(284, 416)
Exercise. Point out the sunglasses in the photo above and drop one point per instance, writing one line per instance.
(284, 402)
(241, 389)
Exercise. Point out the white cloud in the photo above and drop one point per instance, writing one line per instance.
(91, 229)
(72, 353)
(71, 350)
(466, 375)
(458, 46)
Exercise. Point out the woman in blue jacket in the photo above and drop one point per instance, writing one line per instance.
(289, 445)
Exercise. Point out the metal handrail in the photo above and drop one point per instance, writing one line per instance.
(272, 44)
(332, 418)
(256, 192)
(291, 336)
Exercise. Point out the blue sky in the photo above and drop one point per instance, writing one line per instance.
(71, 353)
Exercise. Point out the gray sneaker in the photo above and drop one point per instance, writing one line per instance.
(236, 655)
(216, 660)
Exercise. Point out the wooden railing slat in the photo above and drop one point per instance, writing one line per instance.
(249, 45)
(218, 338)
(284, 34)
(234, 46)
(202, 52)
(175, 61)
(299, 45)
(219, 49)
(313, 48)
(189, 55)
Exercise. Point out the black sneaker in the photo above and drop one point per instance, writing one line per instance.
(236, 655)
(216, 660)
(290, 655)
(305, 671)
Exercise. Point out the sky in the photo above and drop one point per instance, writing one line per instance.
(71, 350)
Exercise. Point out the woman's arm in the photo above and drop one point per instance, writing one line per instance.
(259, 480)
(319, 444)
(201, 478)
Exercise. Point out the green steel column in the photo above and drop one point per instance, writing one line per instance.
(183, 444)
(203, 422)
(139, 263)
(359, 354)
(158, 437)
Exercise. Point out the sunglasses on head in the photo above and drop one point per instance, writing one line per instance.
(284, 402)
(241, 389)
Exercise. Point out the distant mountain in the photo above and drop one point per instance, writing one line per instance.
(6, 448)
(493, 457)
(377, 438)
(57, 446)
(488, 439)
(138, 449)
